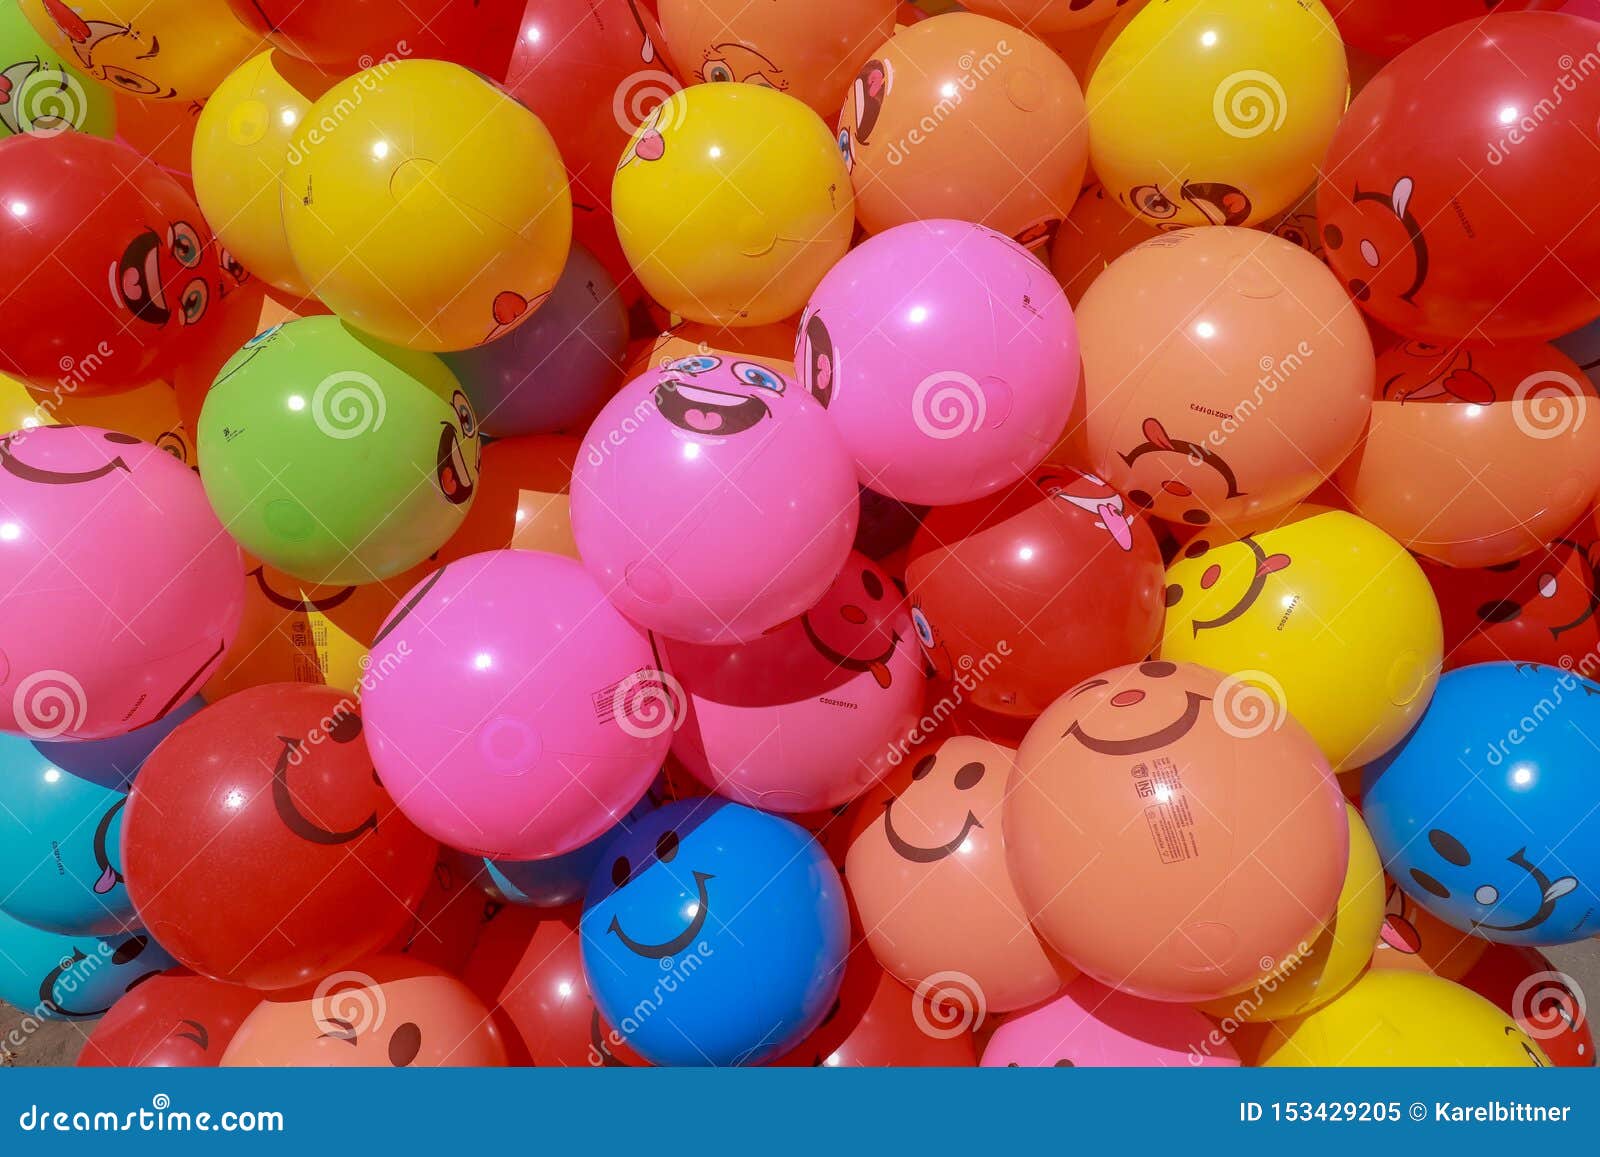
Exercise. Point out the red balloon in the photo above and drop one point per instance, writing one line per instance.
(1025, 593)
(1384, 28)
(877, 1022)
(174, 1019)
(1459, 192)
(112, 277)
(259, 847)
(444, 928)
(355, 34)
(1546, 1004)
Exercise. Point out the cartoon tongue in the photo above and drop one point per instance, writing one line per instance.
(880, 672)
(824, 371)
(706, 421)
(1117, 524)
(651, 147)
(1469, 387)
(1559, 888)
(875, 82)
(132, 286)
(1272, 564)
(1398, 933)
(106, 882)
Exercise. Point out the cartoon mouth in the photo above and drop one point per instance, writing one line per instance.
(296, 820)
(109, 876)
(820, 364)
(701, 410)
(921, 855)
(1594, 591)
(679, 942)
(136, 280)
(1549, 892)
(128, 950)
(878, 664)
(872, 85)
(1172, 732)
(410, 605)
(288, 604)
(455, 477)
(20, 469)
(1400, 934)
(1265, 565)
(199, 1035)
(1218, 202)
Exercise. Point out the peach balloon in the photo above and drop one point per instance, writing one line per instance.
(810, 49)
(1477, 454)
(1226, 374)
(1095, 234)
(967, 118)
(927, 869)
(1168, 844)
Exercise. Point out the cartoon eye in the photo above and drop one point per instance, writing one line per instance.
(1547, 586)
(1157, 669)
(339, 1030)
(847, 149)
(185, 244)
(404, 1045)
(1174, 595)
(700, 364)
(759, 376)
(132, 81)
(1141, 499)
(715, 71)
(194, 300)
(263, 336)
(1429, 884)
(172, 443)
(872, 584)
(619, 870)
(130, 949)
(1449, 848)
(920, 624)
(666, 847)
(969, 776)
(120, 438)
(1486, 894)
(232, 266)
(464, 415)
(924, 766)
(1152, 202)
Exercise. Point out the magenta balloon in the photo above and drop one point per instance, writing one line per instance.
(122, 590)
(713, 500)
(555, 370)
(807, 717)
(947, 357)
(511, 711)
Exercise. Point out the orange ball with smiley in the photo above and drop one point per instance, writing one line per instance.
(1168, 843)
(927, 869)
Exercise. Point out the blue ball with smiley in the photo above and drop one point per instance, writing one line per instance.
(48, 976)
(61, 827)
(1488, 813)
(714, 934)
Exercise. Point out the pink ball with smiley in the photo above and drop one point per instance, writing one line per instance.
(713, 500)
(123, 590)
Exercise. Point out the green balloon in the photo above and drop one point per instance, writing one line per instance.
(41, 93)
(337, 457)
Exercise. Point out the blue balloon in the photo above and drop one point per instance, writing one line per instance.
(53, 977)
(61, 828)
(1486, 814)
(559, 880)
(714, 934)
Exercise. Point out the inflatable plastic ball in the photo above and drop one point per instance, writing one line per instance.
(354, 34)
(1547, 1004)
(1035, 589)
(426, 206)
(806, 717)
(947, 358)
(1404, 1019)
(48, 92)
(556, 370)
(1484, 813)
(86, 658)
(1413, 939)
(1042, 16)
(809, 49)
(61, 806)
(1203, 112)
(1091, 1026)
(522, 500)
(173, 1019)
(876, 1023)
(337, 457)
(515, 727)
(556, 881)
(703, 899)
(1095, 234)
(1167, 843)
(1509, 255)
(149, 413)
(115, 278)
(1382, 29)
(1324, 614)
(241, 141)
(51, 976)
(384, 1012)
(731, 202)
(259, 847)
(960, 93)
(1476, 455)
(166, 50)
(713, 500)
(927, 870)
(1225, 375)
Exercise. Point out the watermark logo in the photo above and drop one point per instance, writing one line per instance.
(48, 704)
(347, 404)
(947, 1004)
(349, 1004)
(1549, 404)
(49, 101)
(947, 404)
(1548, 1004)
(639, 95)
(1249, 103)
(1248, 704)
(649, 703)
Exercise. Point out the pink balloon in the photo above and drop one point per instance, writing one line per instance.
(510, 710)
(804, 718)
(1091, 1026)
(122, 591)
(947, 356)
(713, 500)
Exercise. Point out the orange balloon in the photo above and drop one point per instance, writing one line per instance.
(160, 130)
(1226, 373)
(1413, 938)
(964, 117)
(810, 49)
(1095, 233)
(1041, 16)
(521, 500)
(149, 413)
(1168, 840)
(1477, 454)
(385, 1011)
(928, 874)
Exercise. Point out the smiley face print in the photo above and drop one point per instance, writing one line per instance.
(1386, 252)
(1229, 583)
(115, 53)
(862, 108)
(1176, 479)
(459, 454)
(732, 61)
(717, 397)
(1196, 203)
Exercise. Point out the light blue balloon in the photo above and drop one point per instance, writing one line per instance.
(52, 977)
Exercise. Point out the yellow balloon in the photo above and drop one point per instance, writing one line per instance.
(240, 151)
(1322, 611)
(1211, 112)
(155, 49)
(1339, 954)
(1402, 1019)
(425, 206)
(19, 409)
(731, 202)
